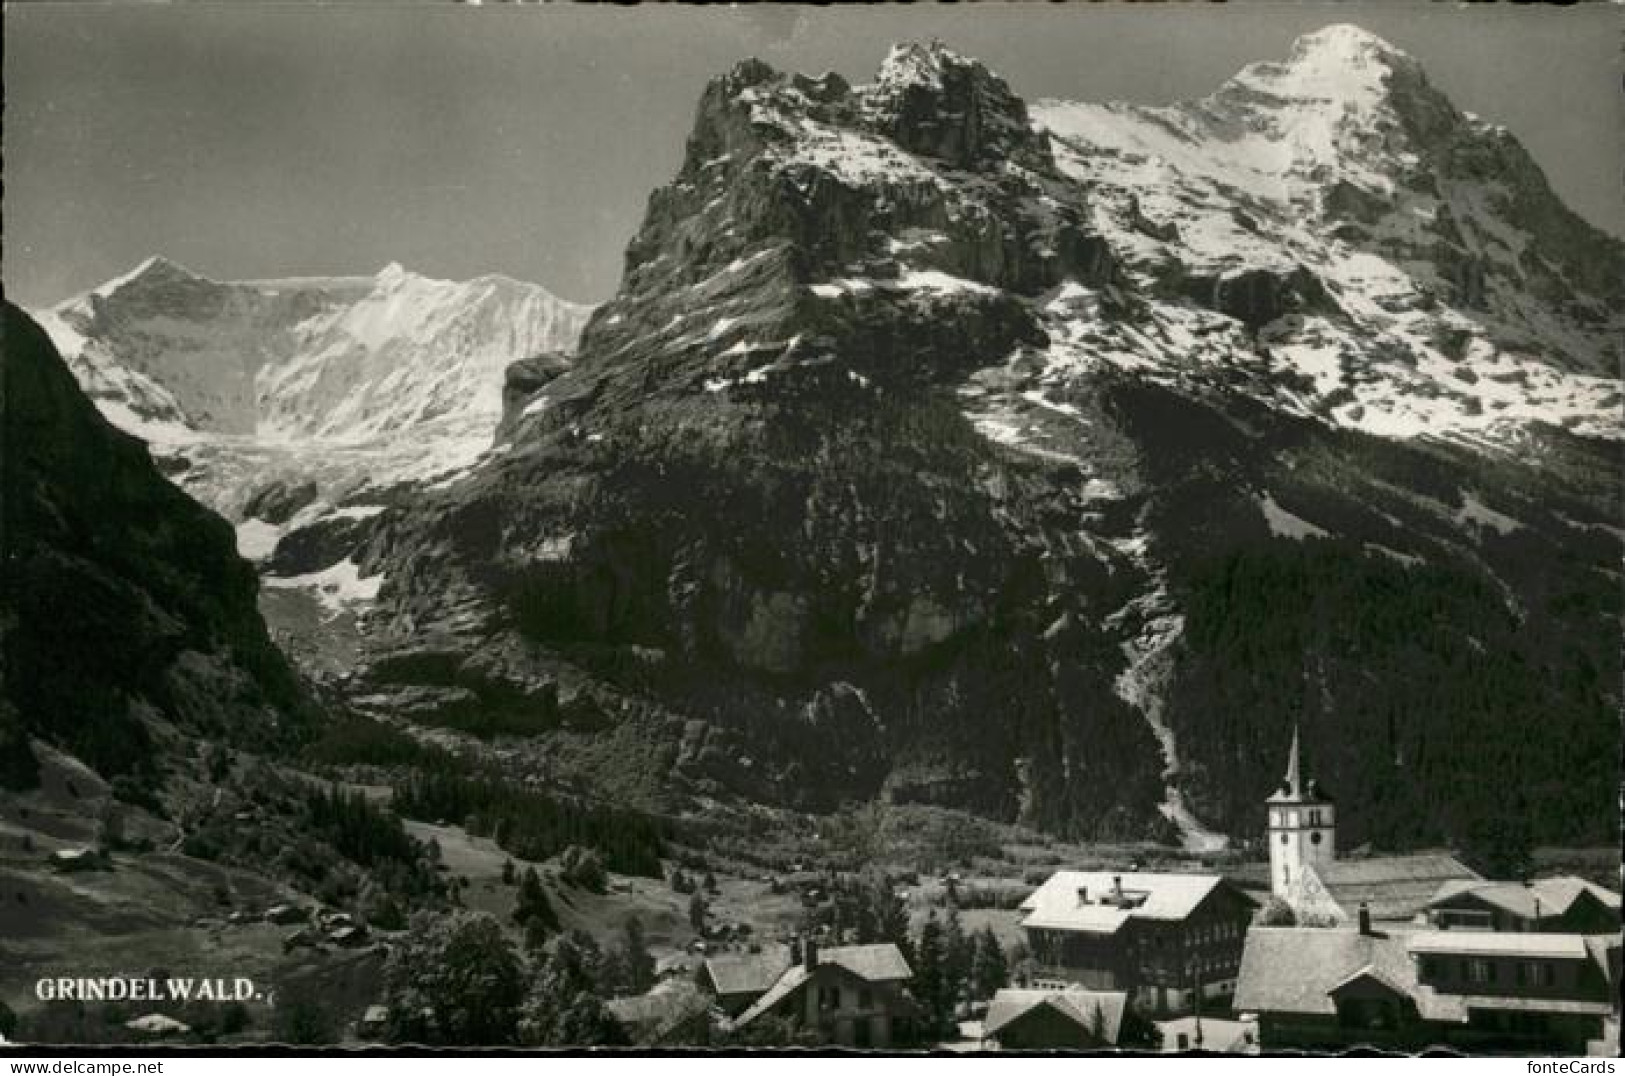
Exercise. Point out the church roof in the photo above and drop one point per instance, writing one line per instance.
(1294, 787)
(1391, 887)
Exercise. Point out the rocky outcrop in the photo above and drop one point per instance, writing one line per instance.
(277, 501)
(126, 615)
(523, 379)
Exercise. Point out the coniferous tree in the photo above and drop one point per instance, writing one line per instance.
(697, 910)
(956, 958)
(930, 980)
(639, 962)
(532, 910)
(989, 971)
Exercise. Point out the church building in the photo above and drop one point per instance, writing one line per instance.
(1322, 889)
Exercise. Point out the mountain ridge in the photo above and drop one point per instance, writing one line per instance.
(912, 455)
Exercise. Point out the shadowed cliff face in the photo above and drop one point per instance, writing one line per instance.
(887, 474)
(126, 616)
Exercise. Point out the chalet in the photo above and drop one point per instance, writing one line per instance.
(854, 995)
(1408, 987)
(1071, 1019)
(1159, 937)
(1320, 888)
(1564, 905)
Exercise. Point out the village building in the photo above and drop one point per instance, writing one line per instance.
(1407, 987)
(1070, 1019)
(1160, 938)
(852, 995)
(1562, 905)
(1306, 874)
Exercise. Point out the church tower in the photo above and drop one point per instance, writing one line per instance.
(1302, 830)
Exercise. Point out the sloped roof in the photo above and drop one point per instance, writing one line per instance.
(1556, 895)
(1392, 887)
(1078, 1006)
(787, 984)
(1168, 896)
(1371, 973)
(1295, 969)
(878, 963)
(752, 973)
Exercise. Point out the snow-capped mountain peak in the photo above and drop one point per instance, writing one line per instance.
(156, 271)
(394, 375)
(1426, 280)
(914, 63)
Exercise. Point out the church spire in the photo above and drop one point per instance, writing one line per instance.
(1294, 785)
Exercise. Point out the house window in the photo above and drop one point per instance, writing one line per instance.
(866, 999)
(1478, 971)
(1314, 818)
(1314, 838)
(829, 998)
(1536, 973)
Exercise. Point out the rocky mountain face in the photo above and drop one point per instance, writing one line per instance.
(344, 387)
(128, 624)
(1055, 464)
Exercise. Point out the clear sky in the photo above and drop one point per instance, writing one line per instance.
(249, 139)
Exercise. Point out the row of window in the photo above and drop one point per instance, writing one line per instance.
(1291, 818)
(1483, 972)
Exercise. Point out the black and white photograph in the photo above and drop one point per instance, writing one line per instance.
(661, 529)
